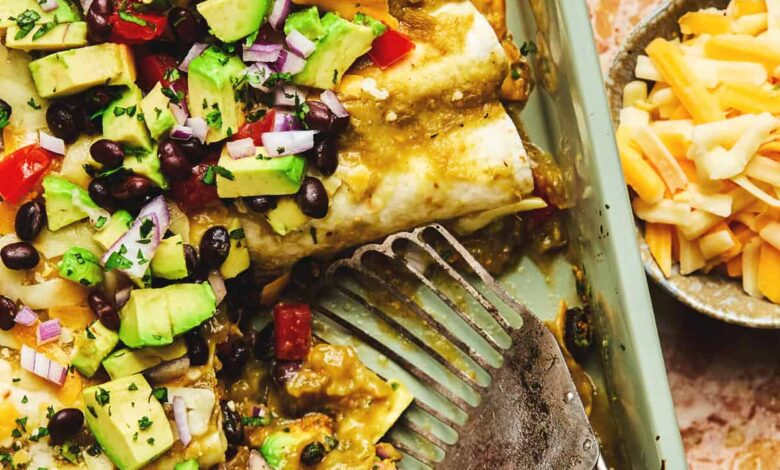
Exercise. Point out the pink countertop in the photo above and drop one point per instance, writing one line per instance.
(725, 379)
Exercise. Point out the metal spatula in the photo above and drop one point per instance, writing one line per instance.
(492, 390)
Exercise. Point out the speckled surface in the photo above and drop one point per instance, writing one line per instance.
(725, 379)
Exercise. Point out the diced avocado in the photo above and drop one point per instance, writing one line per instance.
(237, 260)
(211, 95)
(131, 428)
(75, 70)
(191, 464)
(82, 266)
(261, 175)
(121, 123)
(146, 163)
(65, 202)
(65, 12)
(386, 412)
(61, 36)
(169, 261)
(231, 20)
(92, 346)
(128, 361)
(286, 217)
(152, 317)
(343, 43)
(157, 113)
(284, 447)
(306, 22)
(116, 226)
(377, 27)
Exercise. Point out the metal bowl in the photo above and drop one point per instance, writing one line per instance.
(713, 295)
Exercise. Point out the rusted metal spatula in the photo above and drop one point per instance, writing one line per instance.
(492, 390)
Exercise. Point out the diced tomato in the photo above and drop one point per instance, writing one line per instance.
(292, 331)
(193, 194)
(21, 171)
(153, 68)
(389, 48)
(133, 28)
(255, 129)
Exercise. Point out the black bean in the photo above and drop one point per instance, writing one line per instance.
(324, 156)
(260, 203)
(214, 247)
(131, 187)
(319, 117)
(312, 198)
(108, 153)
(7, 313)
(102, 7)
(5, 112)
(312, 453)
(194, 150)
(197, 347)
(190, 258)
(64, 121)
(578, 332)
(340, 123)
(30, 219)
(65, 424)
(283, 371)
(173, 162)
(104, 309)
(305, 271)
(98, 27)
(233, 354)
(100, 192)
(187, 27)
(231, 424)
(96, 99)
(230, 453)
(19, 256)
(264, 344)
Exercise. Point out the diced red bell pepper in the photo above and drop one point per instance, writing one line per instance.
(21, 171)
(133, 28)
(389, 48)
(256, 129)
(193, 194)
(292, 331)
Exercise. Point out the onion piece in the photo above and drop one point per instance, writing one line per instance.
(257, 462)
(57, 373)
(261, 53)
(289, 62)
(48, 332)
(85, 4)
(48, 5)
(218, 286)
(279, 13)
(180, 132)
(300, 44)
(180, 416)
(196, 50)
(332, 102)
(42, 366)
(287, 143)
(241, 148)
(288, 95)
(257, 74)
(51, 143)
(285, 121)
(25, 316)
(199, 128)
(179, 113)
(27, 358)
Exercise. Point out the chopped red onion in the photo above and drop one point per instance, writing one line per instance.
(199, 128)
(261, 53)
(122, 296)
(287, 143)
(289, 62)
(257, 462)
(181, 133)
(57, 373)
(48, 332)
(179, 113)
(48, 5)
(300, 44)
(51, 143)
(28, 358)
(241, 148)
(196, 50)
(332, 102)
(182, 424)
(42, 366)
(279, 13)
(25, 316)
(257, 74)
(218, 286)
(288, 95)
(285, 121)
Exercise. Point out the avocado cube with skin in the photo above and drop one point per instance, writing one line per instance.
(237, 260)
(157, 112)
(92, 346)
(61, 36)
(65, 12)
(113, 411)
(260, 175)
(121, 123)
(146, 163)
(211, 95)
(306, 22)
(117, 225)
(66, 202)
(231, 20)
(82, 266)
(128, 361)
(286, 217)
(169, 261)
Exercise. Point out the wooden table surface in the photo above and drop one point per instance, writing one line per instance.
(725, 379)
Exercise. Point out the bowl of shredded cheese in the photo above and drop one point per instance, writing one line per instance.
(695, 96)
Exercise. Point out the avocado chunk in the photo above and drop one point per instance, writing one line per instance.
(82, 266)
(131, 428)
(121, 123)
(146, 163)
(152, 317)
(65, 13)
(306, 22)
(157, 112)
(169, 261)
(126, 361)
(231, 20)
(211, 96)
(94, 344)
(286, 217)
(61, 36)
(343, 43)
(67, 202)
(237, 260)
(75, 70)
(117, 225)
(285, 446)
(377, 27)
(260, 175)
(190, 464)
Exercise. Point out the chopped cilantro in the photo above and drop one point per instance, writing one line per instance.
(40, 433)
(135, 436)
(5, 117)
(118, 261)
(214, 117)
(172, 74)
(49, 412)
(161, 394)
(119, 111)
(16, 379)
(210, 176)
(45, 28)
(101, 221)
(26, 22)
(91, 410)
(150, 441)
(146, 227)
(528, 48)
(145, 423)
(25, 399)
(102, 396)
(237, 234)
(90, 335)
(31, 103)
(278, 77)
(16, 434)
(131, 18)
(174, 96)
(255, 421)
(133, 387)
